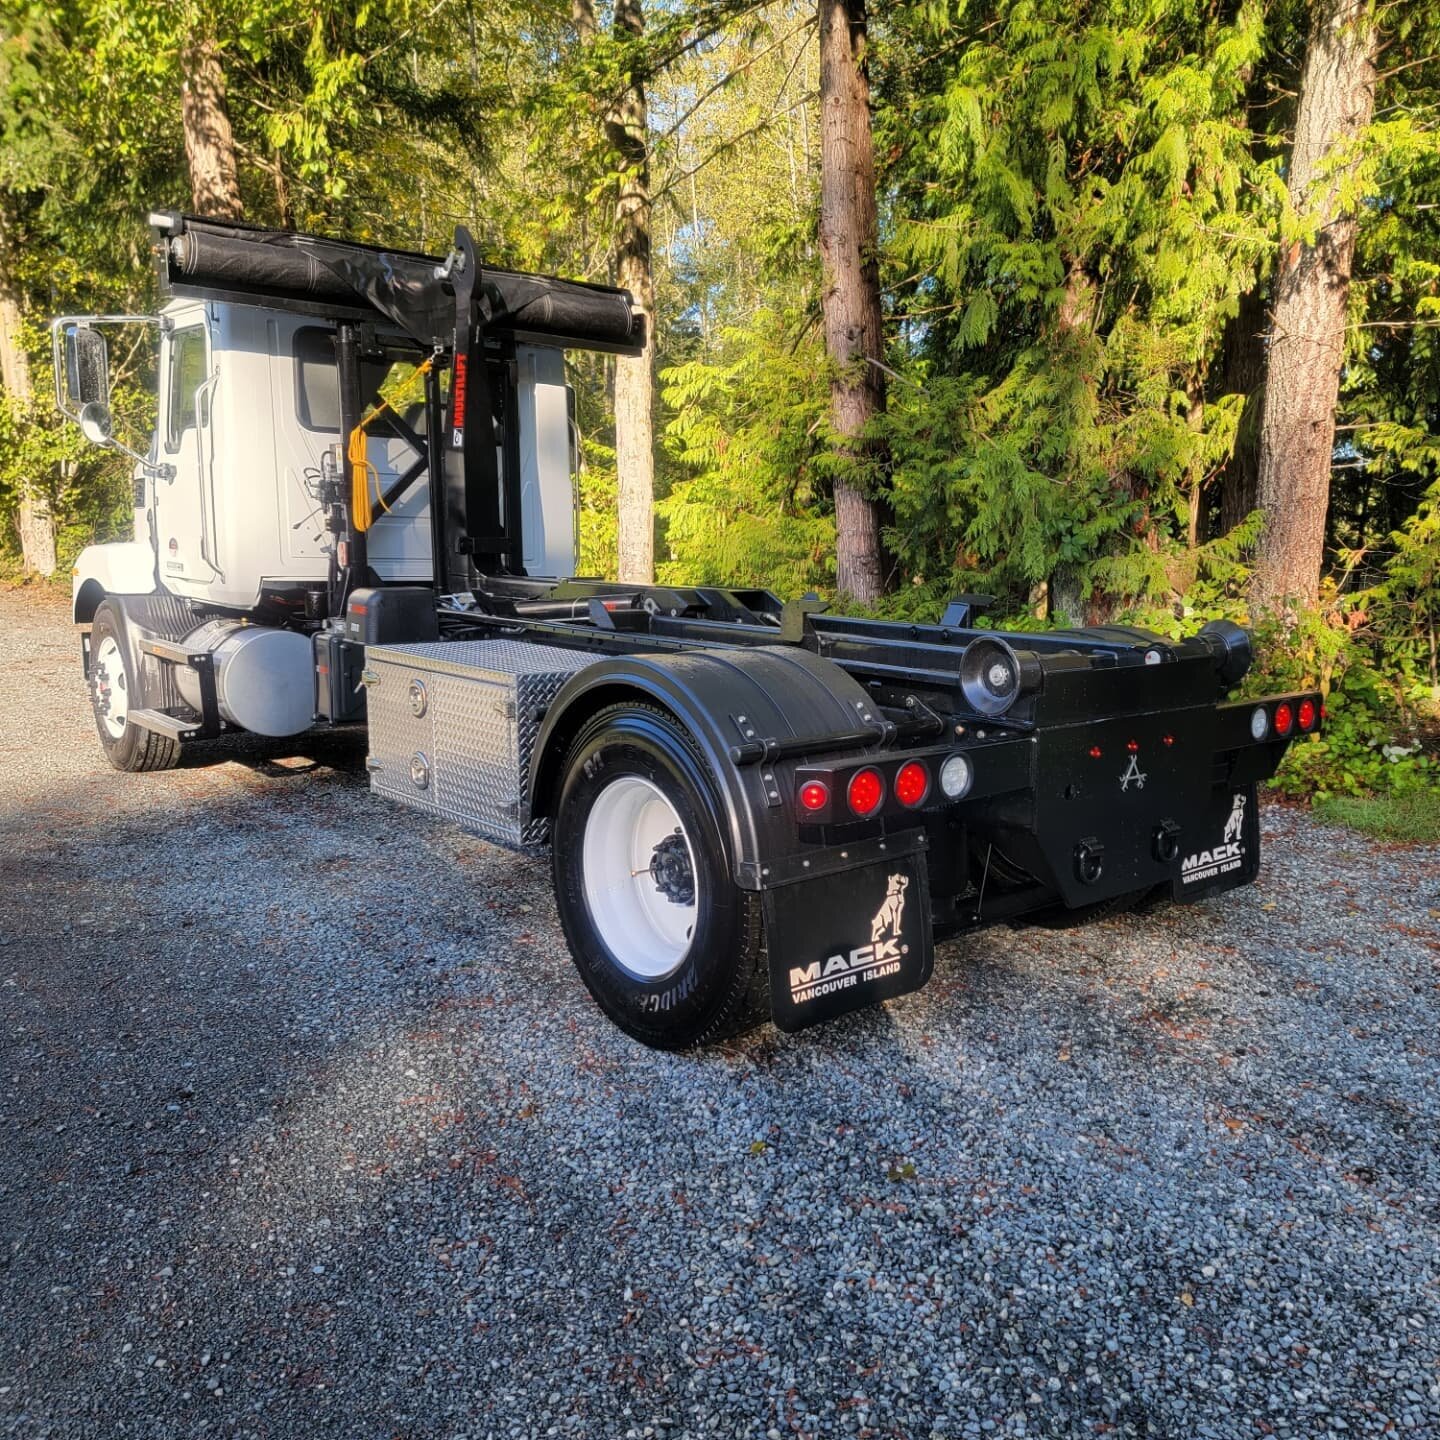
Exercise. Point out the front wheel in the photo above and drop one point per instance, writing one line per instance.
(113, 695)
(664, 940)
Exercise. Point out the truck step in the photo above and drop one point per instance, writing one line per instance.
(170, 650)
(171, 726)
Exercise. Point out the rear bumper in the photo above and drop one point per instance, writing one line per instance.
(1143, 801)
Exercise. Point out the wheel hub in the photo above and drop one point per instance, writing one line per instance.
(641, 884)
(111, 698)
(671, 870)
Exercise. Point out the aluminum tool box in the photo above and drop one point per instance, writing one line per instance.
(453, 726)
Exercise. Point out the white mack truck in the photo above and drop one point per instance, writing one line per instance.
(358, 508)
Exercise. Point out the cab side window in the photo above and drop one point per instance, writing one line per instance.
(317, 385)
(187, 374)
(317, 379)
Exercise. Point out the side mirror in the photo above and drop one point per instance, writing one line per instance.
(87, 370)
(95, 422)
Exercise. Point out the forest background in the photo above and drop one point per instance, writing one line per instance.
(1125, 311)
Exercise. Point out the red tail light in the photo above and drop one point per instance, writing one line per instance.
(912, 784)
(866, 792)
(1284, 718)
(1308, 715)
(814, 795)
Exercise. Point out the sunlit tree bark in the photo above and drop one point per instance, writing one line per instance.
(849, 243)
(1307, 339)
(209, 141)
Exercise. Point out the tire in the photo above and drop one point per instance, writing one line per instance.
(127, 746)
(673, 953)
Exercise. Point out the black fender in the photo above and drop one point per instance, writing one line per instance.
(150, 617)
(725, 699)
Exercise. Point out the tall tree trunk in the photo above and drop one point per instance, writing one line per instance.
(849, 245)
(1195, 419)
(209, 141)
(634, 374)
(1074, 320)
(626, 128)
(1307, 344)
(1242, 372)
(36, 517)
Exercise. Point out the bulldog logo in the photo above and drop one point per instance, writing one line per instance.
(1236, 822)
(889, 915)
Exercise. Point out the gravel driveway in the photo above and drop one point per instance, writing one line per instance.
(309, 1129)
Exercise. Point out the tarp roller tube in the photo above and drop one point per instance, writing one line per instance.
(278, 266)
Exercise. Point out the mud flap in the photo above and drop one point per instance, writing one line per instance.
(1222, 851)
(842, 941)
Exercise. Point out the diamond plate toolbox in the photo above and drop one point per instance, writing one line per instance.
(453, 727)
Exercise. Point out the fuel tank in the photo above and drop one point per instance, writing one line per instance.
(264, 677)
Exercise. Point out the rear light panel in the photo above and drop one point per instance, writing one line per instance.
(868, 790)
(1284, 717)
(1292, 716)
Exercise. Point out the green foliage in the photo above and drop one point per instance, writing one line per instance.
(1412, 818)
(1375, 739)
(1078, 213)
(599, 510)
(744, 428)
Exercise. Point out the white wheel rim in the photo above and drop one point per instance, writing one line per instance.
(107, 674)
(629, 887)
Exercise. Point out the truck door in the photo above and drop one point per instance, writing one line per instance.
(184, 526)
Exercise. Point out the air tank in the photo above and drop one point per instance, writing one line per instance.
(264, 677)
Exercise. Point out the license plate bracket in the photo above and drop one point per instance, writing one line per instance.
(843, 941)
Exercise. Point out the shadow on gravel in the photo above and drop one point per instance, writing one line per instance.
(342, 750)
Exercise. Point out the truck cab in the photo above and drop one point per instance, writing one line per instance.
(230, 496)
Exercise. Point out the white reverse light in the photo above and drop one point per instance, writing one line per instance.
(1259, 722)
(956, 775)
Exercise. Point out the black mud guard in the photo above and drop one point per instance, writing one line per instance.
(724, 698)
(1226, 851)
(852, 936)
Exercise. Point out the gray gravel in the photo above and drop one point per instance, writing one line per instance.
(309, 1129)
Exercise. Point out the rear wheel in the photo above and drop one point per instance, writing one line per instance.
(664, 940)
(113, 695)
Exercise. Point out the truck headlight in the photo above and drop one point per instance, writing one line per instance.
(956, 776)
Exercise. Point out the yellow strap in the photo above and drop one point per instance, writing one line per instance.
(362, 473)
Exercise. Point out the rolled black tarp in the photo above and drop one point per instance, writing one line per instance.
(410, 289)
